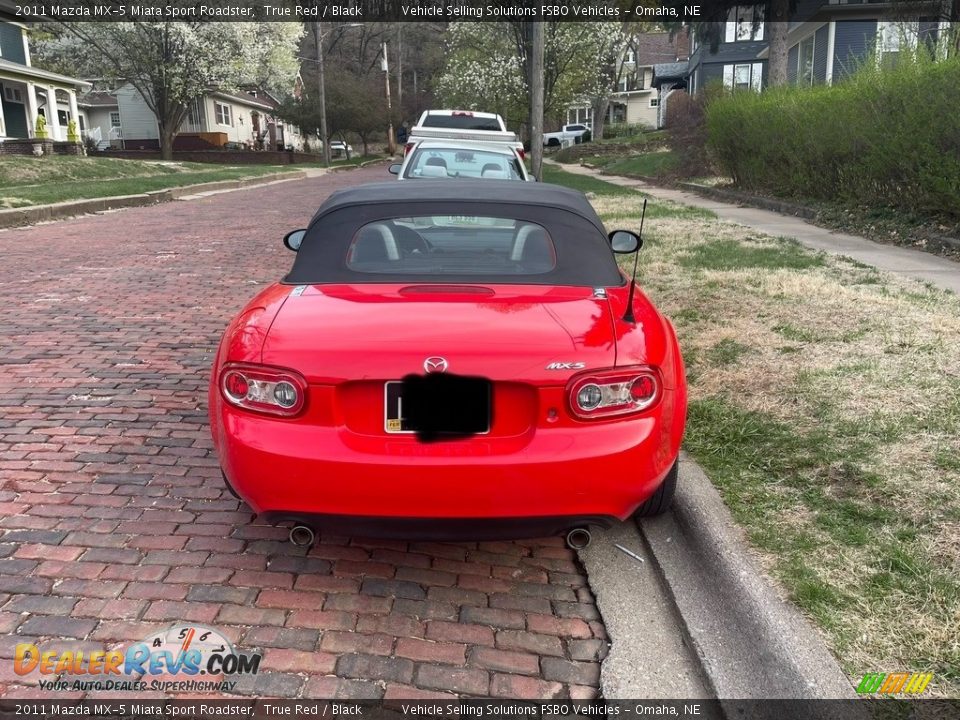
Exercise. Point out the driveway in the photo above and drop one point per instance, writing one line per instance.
(115, 523)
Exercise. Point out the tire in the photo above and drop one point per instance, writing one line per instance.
(553, 142)
(662, 499)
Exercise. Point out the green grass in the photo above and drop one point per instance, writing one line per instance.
(646, 165)
(733, 255)
(584, 183)
(26, 181)
(825, 407)
(620, 203)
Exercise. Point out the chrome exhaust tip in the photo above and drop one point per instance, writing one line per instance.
(302, 536)
(579, 539)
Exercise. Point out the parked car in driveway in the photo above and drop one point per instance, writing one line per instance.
(461, 159)
(574, 133)
(338, 148)
(448, 360)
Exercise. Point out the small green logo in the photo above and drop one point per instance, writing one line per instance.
(894, 683)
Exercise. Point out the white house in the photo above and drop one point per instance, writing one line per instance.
(27, 92)
(214, 119)
(637, 98)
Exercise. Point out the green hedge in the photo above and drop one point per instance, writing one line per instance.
(888, 137)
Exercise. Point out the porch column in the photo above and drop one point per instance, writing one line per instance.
(53, 117)
(31, 110)
(74, 111)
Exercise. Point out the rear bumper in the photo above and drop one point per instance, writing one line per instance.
(438, 529)
(548, 479)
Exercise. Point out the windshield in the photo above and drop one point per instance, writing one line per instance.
(452, 244)
(462, 122)
(459, 163)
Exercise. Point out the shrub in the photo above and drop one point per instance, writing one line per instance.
(613, 131)
(887, 136)
(687, 134)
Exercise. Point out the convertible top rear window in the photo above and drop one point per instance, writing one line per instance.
(453, 240)
(461, 244)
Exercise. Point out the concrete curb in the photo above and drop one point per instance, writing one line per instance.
(16, 217)
(365, 163)
(649, 656)
(749, 641)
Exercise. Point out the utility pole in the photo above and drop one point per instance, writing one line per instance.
(321, 82)
(536, 101)
(400, 69)
(391, 138)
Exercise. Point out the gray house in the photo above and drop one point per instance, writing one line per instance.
(828, 39)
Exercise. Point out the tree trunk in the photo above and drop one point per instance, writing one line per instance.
(167, 135)
(536, 101)
(600, 107)
(778, 27)
(366, 150)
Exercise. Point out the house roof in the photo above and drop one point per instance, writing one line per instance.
(262, 95)
(243, 98)
(20, 72)
(98, 98)
(665, 72)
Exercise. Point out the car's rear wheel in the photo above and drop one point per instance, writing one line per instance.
(662, 499)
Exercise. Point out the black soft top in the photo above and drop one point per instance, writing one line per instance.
(584, 257)
(508, 192)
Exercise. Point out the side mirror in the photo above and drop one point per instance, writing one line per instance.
(625, 241)
(293, 239)
(394, 169)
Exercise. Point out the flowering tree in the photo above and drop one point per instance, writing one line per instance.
(172, 63)
(483, 71)
(488, 66)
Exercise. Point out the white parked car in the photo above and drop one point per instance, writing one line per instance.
(338, 148)
(569, 132)
(462, 125)
(461, 159)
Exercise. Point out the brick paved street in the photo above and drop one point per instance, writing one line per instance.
(114, 520)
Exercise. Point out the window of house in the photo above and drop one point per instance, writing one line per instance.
(892, 37)
(654, 102)
(224, 116)
(12, 94)
(114, 119)
(631, 57)
(744, 23)
(805, 61)
(743, 76)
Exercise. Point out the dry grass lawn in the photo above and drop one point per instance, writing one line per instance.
(825, 405)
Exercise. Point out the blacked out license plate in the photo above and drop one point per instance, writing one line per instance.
(438, 405)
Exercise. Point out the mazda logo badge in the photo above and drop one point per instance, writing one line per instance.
(435, 365)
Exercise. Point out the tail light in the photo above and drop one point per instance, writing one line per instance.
(272, 391)
(522, 153)
(609, 393)
(408, 147)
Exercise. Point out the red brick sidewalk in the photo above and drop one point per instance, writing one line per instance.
(115, 522)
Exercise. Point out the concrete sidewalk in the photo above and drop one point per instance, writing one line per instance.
(901, 261)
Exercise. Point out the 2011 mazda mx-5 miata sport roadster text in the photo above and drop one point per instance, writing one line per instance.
(450, 360)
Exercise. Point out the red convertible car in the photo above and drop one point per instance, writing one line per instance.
(451, 359)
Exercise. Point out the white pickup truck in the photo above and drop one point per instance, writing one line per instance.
(462, 125)
(569, 132)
